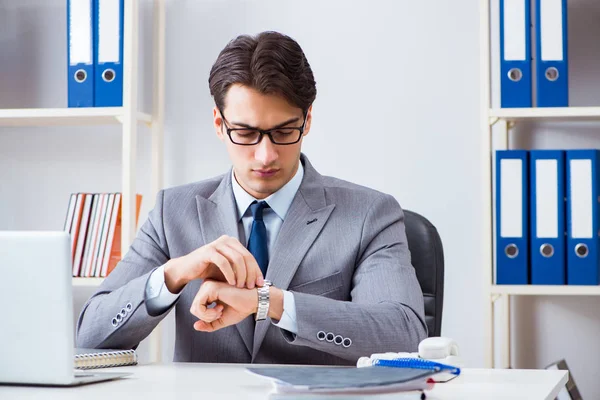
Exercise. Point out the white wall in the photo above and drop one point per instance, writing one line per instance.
(397, 110)
(388, 73)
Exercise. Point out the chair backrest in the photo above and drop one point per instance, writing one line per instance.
(427, 257)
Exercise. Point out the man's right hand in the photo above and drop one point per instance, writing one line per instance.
(225, 259)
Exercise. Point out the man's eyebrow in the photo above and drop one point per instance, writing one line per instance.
(289, 121)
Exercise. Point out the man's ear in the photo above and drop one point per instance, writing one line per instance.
(308, 120)
(218, 123)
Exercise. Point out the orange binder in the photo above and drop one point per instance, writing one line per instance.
(115, 247)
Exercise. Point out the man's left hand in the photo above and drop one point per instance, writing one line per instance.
(233, 305)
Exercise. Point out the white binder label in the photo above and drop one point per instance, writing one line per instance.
(511, 198)
(581, 199)
(80, 32)
(551, 30)
(546, 198)
(514, 30)
(109, 18)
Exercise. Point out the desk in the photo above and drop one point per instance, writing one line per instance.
(188, 381)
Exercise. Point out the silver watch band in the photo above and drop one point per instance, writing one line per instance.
(263, 301)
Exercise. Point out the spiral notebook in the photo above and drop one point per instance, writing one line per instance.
(104, 358)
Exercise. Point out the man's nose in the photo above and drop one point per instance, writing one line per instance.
(266, 151)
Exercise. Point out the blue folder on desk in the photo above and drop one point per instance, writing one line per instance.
(515, 53)
(109, 53)
(552, 65)
(80, 53)
(583, 242)
(512, 217)
(548, 242)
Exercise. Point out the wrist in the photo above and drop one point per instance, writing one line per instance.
(254, 301)
(174, 281)
(276, 306)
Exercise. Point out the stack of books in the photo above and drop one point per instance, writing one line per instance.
(94, 222)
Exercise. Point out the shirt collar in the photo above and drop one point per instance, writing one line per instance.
(280, 201)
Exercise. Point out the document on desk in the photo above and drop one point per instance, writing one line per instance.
(331, 380)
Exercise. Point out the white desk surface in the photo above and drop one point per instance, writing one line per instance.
(231, 382)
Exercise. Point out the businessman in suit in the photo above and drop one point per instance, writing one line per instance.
(270, 262)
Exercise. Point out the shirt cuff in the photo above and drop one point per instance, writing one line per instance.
(288, 318)
(156, 291)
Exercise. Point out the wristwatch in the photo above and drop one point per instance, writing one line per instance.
(263, 301)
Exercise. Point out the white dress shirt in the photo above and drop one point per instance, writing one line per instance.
(273, 217)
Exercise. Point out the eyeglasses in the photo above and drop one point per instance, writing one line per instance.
(251, 136)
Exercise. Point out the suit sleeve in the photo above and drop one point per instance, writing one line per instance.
(116, 315)
(386, 310)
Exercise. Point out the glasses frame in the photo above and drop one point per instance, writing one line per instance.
(263, 132)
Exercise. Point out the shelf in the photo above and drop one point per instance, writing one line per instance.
(89, 282)
(547, 113)
(66, 116)
(547, 290)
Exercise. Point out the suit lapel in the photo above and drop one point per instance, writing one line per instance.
(218, 216)
(218, 213)
(306, 217)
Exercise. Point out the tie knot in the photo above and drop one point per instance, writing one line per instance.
(256, 208)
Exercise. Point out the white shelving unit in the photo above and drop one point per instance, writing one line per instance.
(128, 116)
(545, 290)
(550, 114)
(504, 119)
(67, 116)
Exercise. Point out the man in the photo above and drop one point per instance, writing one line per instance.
(271, 262)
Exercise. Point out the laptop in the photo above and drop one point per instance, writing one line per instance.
(37, 340)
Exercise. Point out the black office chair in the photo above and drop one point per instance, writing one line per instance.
(427, 255)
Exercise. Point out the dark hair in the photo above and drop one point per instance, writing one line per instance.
(270, 62)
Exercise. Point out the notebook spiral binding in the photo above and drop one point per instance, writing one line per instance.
(115, 358)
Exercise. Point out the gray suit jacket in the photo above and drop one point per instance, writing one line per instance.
(341, 251)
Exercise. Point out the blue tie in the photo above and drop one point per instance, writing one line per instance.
(257, 244)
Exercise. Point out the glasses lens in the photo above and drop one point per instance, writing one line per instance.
(286, 135)
(245, 136)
